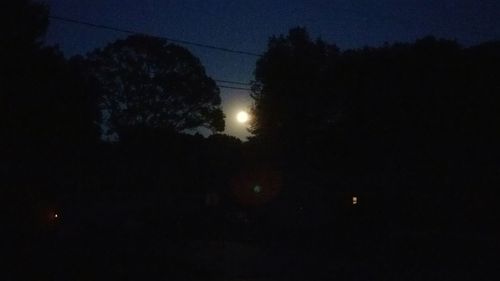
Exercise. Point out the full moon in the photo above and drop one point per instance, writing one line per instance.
(242, 117)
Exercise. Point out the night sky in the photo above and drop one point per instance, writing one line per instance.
(246, 25)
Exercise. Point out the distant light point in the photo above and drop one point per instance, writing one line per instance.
(355, 200)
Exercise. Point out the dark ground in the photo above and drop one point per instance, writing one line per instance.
(131, 236)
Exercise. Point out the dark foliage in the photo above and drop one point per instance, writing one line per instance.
(291, 92)
(23, 25)
(421, 108)
(149, 83)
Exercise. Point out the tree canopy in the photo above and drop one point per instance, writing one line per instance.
(24, 22)
(429, 88)
(404, 108)
(44, 98)
(149, 83)
(290, 90)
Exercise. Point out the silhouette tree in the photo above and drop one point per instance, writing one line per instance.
(44, 98)
(290, 92)
(24, 22)
(151, 84)
(48, 120)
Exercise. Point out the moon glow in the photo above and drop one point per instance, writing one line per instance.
(242, 117)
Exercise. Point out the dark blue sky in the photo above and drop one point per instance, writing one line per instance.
(247, 24)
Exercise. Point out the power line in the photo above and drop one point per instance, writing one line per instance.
(232, 82)
(89, 24)
(233, 88)
(128, 31)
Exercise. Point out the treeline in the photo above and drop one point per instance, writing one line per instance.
(414, 119)
(412, 125)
